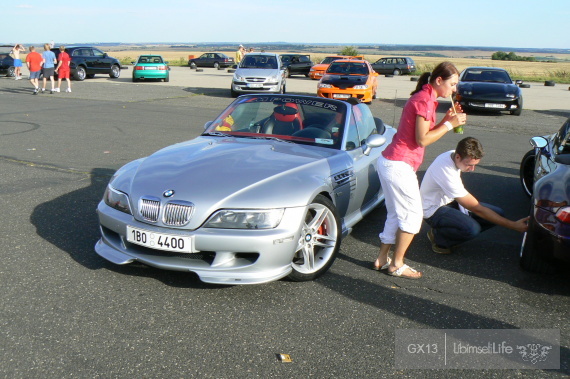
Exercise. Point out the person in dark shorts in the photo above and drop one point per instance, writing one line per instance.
(48, 67)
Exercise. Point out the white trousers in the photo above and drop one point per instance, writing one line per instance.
(402, 197)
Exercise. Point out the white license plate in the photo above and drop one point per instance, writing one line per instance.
(151, 68)
(255, 85)
(341, 96)
(492, 105)
(160, 241)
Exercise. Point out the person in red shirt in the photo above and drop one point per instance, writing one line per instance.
(34, 61)
(399, 162)
(62, 70)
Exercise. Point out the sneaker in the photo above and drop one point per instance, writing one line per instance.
(36, 91)
(55, 90)
(43, 90)
(437, 249)
(51, 92)
(68, 90)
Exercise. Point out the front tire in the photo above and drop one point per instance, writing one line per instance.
(526, 172)
(319, 241)
(11, 72)
(115, 71)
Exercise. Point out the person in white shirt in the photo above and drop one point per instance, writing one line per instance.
(456, 216)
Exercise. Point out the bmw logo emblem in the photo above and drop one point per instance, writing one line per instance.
(168, 193)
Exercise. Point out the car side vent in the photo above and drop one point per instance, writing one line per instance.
(149, 208)
(342, 178)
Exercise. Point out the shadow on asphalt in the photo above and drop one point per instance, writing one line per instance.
(70, 223)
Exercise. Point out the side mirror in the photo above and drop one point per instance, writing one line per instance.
(373, 141)
(538, 142)
(165, 62)
(207, 125)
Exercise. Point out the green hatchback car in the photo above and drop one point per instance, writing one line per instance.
(151, 67)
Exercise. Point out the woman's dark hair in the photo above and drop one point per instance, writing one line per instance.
(445, 70)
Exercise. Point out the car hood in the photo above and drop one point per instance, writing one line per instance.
(344, 81)
(259, 72)
(219, 172)
(480, 88)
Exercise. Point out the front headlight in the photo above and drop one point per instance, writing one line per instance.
(511, 95)
(361, 86)
(117, 199)
(238, 78)
(245, 219)
(325, 85)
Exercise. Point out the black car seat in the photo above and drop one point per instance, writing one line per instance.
(285, 120)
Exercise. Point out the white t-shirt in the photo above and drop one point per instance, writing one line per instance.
(441, 184)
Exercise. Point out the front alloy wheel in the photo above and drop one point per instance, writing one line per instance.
(319, 241)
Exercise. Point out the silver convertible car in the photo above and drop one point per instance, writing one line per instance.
(266, 192)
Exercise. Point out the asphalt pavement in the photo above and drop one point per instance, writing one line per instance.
(66, 312)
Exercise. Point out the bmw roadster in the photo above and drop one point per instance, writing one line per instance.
(267, 191)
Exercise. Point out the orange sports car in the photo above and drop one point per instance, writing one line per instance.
(318, 70)
(348, 78)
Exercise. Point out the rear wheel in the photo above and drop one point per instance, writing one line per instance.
(11, 72)
(526, 172)
(319, 241)
(80, 73)
(167, 79)
(216, 65)
(396, 72)
(115, 71)
(530, 259)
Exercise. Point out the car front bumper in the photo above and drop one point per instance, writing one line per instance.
(244, 87)
(365, 95)
(489, 104)
(220, 256)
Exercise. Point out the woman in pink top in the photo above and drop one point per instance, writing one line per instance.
(401, 159)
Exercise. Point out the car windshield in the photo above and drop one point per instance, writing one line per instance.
(150, 59)
(288, 118)
(348, 68)
(259, 61)
(494, 76)
(328, 60)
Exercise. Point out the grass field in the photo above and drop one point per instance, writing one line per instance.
(527, 71)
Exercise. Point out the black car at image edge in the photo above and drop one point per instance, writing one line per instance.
(545, 176)
(88, 61)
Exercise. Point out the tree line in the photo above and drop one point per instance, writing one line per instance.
(503, 56)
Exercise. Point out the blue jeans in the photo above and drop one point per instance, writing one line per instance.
(452, 227)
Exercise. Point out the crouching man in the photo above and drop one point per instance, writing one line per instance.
(456, 216)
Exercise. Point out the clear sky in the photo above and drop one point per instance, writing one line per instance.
(496, 23)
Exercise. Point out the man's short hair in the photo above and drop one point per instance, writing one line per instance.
(470, 147)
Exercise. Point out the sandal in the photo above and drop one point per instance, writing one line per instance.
(400, 272)
(384, 267)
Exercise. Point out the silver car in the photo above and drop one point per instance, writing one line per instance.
(266, 192)
(259, 72)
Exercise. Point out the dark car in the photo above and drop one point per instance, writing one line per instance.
(87, 61)
(489, 88)
(296, 64)
(545, 176)
(6, 61)
(394, 65)
(211, 60)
